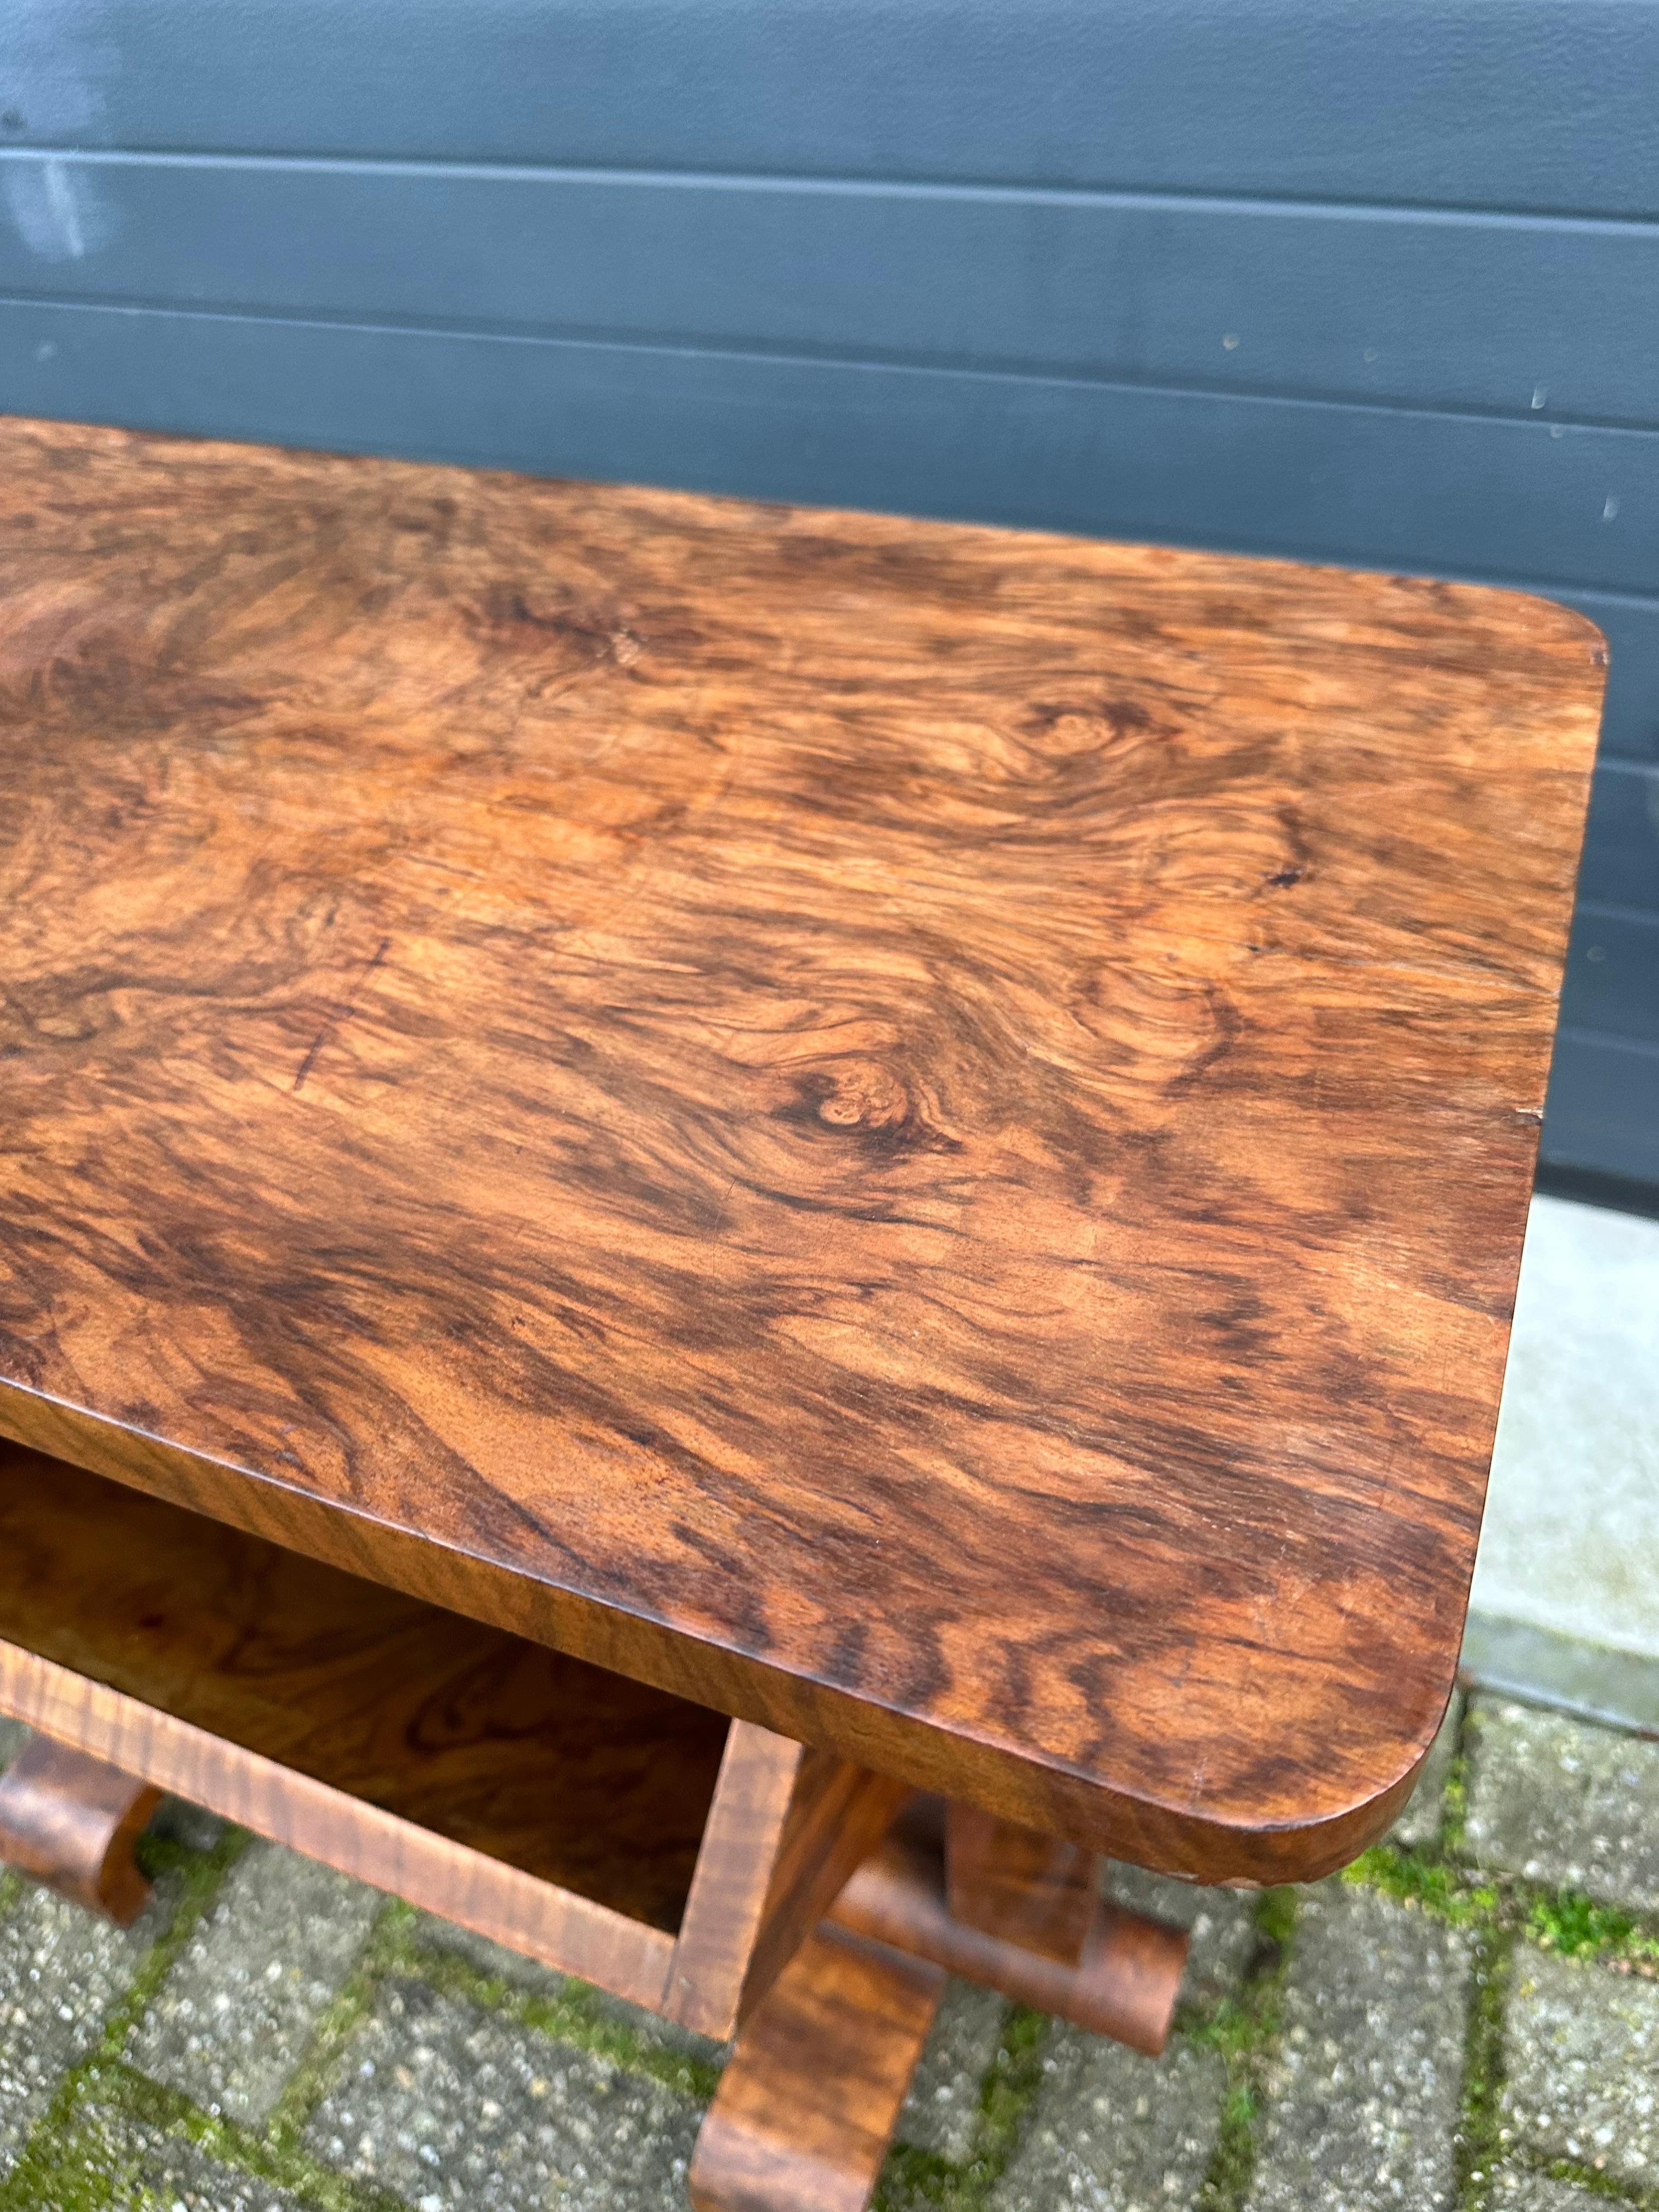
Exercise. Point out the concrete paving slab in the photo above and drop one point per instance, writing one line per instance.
(1581, 2057)
(1571, 1540)
(1418, 1825)
(1562, 1801)
(61, 1970)
(1365, 2093)
(942, 2111)
(234, 2016)
(649, 2028)
(1512, 1659)
(1111, 2131)
(1514, 2191)
(1221, 1923)
(158, 2171)
(452, 2107)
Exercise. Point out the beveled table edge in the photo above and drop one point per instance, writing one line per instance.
(1006, 1776)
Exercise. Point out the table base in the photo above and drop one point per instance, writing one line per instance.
(811, 2092)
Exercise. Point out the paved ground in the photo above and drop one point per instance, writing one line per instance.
(1469, 2018)
(1570, 1538)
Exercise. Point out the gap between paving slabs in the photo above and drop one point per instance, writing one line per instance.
(1503, 1916)
(74, 2162)
(70, 2163)
(568, 2013)
(1497, 1916)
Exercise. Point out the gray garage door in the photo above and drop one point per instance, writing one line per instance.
(1371, 281)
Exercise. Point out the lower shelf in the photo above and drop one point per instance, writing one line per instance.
(607, 1828)
(710, 1870)
(579, 1777)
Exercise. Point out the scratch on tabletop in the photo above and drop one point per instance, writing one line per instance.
(342, 1015)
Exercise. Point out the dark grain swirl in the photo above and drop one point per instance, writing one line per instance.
(921, 1132)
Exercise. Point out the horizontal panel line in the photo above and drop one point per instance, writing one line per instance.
(1609, 595)
(1644, 1048)
(992, 371)
(1343, 551)
(1127, 196)
(1594, 910)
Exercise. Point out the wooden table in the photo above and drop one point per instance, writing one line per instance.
(639, 1131)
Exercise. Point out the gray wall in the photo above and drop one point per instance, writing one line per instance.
(1372, 280)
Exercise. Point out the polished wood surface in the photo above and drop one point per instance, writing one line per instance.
(919, 1132)
(1014, 1883)
(814, 1817)
(591, 1822)
(71, 1822)
(807, 2104)
(553, 1925)
(1123, 1982)
(577, 1777)
(758, 1795)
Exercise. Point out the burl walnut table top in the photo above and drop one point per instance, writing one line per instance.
(920, 1132)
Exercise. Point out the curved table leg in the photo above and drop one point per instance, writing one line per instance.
(1123, 1983)
(808, 2102)
(806, 2106)
(71, 1822)
(1030, 1889)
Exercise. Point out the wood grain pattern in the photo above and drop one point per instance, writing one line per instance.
(807, 2104)
(759, 1785)
(919, 1132)
(573, 1934)
(787, 1826)
(574, 1776)
(839, 1814)
(71, 1822)
(1010, 1882)
(1123, 1982)
(577, 1816)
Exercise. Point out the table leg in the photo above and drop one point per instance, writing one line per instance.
(807, 2104)
(71, 1822)
(1031, 1889)
(1124, 1984)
